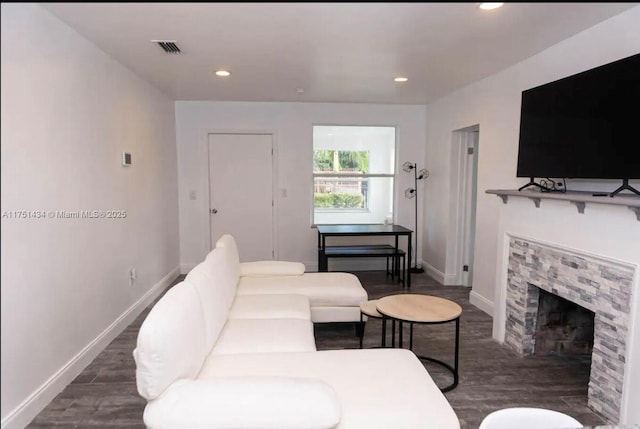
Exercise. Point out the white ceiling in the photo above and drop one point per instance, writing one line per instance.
(335, 52)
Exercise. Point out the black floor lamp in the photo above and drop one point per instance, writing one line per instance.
(413, 193)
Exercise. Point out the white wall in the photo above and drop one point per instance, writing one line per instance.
(291, 124)
(68, 111)
(494, 105)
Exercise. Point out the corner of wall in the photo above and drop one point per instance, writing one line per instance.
(442, 278)
(185, 268)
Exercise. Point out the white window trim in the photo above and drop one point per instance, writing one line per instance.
(362, 176)
(393, 176)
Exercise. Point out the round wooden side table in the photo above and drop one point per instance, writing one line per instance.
(422, 310)
(368, 308)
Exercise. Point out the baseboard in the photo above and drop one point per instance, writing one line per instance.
(450, 280)
(185, 268)
(41, 397)
(481, 302)
(439, 276)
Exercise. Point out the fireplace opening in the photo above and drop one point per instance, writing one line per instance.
(562, 327)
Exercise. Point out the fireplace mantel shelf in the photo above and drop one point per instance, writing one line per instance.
(578, 198)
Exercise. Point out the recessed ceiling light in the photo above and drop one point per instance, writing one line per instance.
(223, 73)
(490, 6)
(400, 79)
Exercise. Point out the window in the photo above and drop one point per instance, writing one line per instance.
(353, 171)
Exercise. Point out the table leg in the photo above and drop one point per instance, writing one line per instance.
(404, 271)
(323, 260)
(395, 258)
(320, 257)
(384, 331)
(362, 335)
(409, 256)
(455, 362)
(411, 336)
(393, 333)
(400, 334)
(452, 369)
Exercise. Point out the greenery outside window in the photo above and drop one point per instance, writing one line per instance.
(334, 190)
(353, 171)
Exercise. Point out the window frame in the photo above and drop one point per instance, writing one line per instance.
(391, 176)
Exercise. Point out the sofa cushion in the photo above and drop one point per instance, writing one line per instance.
(228, 243)
(334, 289)
(213, 294)
(270, 307)
(224, 269)
(378, 389)
(271, 268)
(216, 266)
(171, 341)
(265, 336)
(245, 402)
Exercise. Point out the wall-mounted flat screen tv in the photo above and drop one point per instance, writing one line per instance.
(583, 126)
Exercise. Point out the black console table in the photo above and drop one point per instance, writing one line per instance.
(360, 230)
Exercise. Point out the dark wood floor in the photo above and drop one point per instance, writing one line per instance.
(104, 395)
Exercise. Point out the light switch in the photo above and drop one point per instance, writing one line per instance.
(192, 195)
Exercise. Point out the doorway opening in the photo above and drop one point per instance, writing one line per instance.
(465, 170)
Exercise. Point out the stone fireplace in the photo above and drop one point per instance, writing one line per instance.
(597, 284)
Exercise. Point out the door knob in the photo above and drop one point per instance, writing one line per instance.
(213, 211)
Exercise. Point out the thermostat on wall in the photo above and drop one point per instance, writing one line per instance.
(126, 159)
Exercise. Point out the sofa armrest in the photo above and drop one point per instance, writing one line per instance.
(271, 268)
(245, 402)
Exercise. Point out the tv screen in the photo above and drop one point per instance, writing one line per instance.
(583, 126)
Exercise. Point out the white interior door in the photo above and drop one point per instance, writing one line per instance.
(241, 192)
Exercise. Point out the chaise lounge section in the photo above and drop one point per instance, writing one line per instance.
(334, 297)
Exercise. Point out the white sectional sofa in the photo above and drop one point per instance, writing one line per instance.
(208, 356)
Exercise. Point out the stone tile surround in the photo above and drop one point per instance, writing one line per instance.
(597, 284)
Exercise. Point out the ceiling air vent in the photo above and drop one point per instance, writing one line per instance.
(169, 46)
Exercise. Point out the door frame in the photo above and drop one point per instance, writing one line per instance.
(274, 184)
(460, 161)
